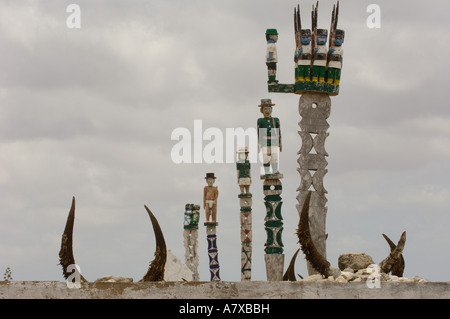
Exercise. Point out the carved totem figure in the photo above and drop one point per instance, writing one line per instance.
(320, 56)
(314, 109)
(335, 57)
(210, 194)
(303, 57)
(271, 54)
(243, 170)
(269, 137)
(245, 200)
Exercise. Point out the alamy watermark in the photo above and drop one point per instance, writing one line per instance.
(73, 21)
(74, 279)
(212, 145)
(373, 281)
(374, 19)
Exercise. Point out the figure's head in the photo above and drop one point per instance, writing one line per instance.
(266, 111)
(266, 107)
(305, 36)
(210, 179)
(339, 37)
(272, 34)
(322, 36)
(242, 153)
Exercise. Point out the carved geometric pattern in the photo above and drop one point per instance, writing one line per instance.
(246, 236)
(213, 253)
(314, 110)
(273, 221)
(191, 256)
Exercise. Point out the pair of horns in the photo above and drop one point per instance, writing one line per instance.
(394, 262)
(155, 270)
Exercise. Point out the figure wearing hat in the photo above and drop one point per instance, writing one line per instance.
(269, 137)
(303, 57)
(335, 58)
(243, 170)
(271, 54)
(320, 56)
(210, 194)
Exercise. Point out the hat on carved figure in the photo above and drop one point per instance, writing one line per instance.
(210, 175)
(242, 150)
(266, 102)
(271, 31)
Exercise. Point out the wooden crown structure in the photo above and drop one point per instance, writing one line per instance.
(317, 69)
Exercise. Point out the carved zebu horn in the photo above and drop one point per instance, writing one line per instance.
(317, 261)
(156, 269)
(66, 253)
(289, 275)
(395, 257)
(399, 266)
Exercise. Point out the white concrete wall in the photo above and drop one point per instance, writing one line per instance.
(223, 290)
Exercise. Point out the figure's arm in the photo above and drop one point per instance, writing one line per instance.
(279, 136)
(298, 54)
(204, 198)
(259, 138)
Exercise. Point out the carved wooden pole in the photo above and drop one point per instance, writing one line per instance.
(317, 77)
(213, 252)
(314, 109)
(269, 141)
(245, 200)
(190, 234)
(273, 223)
(210, 194)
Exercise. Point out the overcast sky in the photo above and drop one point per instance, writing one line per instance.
(89, 113)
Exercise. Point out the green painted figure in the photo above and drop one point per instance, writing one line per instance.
(243, 170)
(191, 216)
(271, 54)
(335, 58)
(320, 56)
(269, 137)
(303, 57)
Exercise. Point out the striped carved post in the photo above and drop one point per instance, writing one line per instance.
(213, 252)
(246, 236)
(273, 256)
(243, 168)
(210, 195)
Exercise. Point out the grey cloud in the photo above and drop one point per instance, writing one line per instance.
(89, 113)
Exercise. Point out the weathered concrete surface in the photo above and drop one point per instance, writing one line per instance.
(223, 290)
